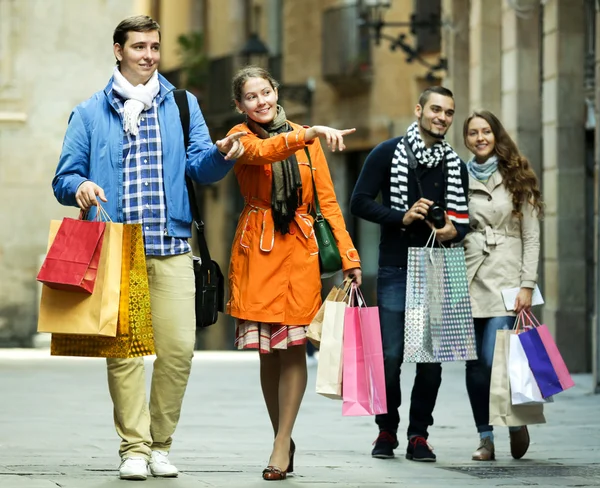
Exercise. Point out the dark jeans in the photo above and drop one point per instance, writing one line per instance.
(391, 295)
(479, 371)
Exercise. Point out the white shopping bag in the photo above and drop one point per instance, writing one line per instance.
(523, 387)
(329, 370)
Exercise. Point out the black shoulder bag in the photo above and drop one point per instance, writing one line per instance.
(210, 282)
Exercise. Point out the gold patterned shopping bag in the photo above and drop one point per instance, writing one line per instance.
(134, 327)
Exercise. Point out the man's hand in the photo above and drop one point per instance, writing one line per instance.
(356, 275)
(446, 233)
(87, 193)
(231, 146)
(524, 300)
(417, 212)
(334, 137)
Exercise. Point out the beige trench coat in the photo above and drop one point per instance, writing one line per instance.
(501, 251)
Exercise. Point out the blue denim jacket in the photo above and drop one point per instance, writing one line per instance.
(93, 150)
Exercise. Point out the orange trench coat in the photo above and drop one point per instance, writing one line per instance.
(275, 278)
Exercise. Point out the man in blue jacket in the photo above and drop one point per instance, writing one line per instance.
(124, 146)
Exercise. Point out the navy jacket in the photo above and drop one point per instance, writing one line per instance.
(374, 180)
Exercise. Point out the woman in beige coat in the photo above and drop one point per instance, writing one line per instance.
(502, 251)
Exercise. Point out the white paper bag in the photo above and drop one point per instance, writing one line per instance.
(523, 387)
(329, 369)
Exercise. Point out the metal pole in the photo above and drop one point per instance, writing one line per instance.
(596, 331)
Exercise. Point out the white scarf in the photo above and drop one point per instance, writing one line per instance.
(137, 98)
(456, 204)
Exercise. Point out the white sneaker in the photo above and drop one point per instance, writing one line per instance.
(160, 465)
(133, 468)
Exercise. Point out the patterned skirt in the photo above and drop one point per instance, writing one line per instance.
(267, 337)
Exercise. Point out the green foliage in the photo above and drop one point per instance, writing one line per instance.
(194, 61)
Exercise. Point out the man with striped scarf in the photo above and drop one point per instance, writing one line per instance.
(412, 173)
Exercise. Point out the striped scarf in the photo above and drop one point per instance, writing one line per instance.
(456, 204)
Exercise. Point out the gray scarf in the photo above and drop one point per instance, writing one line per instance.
(286, 189)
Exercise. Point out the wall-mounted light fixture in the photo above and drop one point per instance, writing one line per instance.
(372, 16)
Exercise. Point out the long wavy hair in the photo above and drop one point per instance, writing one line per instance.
(517, 173)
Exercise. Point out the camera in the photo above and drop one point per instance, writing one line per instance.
(437, 216)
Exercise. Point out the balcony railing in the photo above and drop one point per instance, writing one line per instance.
(346, 48)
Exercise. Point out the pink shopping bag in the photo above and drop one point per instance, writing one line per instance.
(363, 385)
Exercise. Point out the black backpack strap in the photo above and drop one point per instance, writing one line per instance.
(181, 100)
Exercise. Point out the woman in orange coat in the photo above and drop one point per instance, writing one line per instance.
(274, 277)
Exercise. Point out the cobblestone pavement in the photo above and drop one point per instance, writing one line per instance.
(56, 431)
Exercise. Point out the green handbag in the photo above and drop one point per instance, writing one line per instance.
(330, 260)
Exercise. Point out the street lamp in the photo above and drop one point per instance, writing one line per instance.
(254, 50)
(372, 16)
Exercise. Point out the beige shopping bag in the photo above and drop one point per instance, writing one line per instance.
(502, 411)
(329, 370)
(337, 294)
(67, 312)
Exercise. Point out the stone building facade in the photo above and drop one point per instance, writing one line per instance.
(532, 62)
(53, 55)
(331, 72)
(536, 63)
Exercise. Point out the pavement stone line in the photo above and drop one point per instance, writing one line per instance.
(56, 431)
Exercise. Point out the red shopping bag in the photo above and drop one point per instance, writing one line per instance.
(363, 384)
(72, 261)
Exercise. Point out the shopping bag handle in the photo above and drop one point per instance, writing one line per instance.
(532, 318)
(346, 288)
(431, 243)
(432, 240)
(354, 294)
(521, 323)
(100, 214)
(518, 326)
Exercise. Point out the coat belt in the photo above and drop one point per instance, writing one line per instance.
(490, 236)
(302, 219)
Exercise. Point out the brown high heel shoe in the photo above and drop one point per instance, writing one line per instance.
(273, 473)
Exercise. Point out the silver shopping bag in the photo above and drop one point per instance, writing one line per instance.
(439, 323)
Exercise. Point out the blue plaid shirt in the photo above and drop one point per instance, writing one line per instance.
(143, 186)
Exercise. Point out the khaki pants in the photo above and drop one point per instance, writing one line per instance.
(144, 427)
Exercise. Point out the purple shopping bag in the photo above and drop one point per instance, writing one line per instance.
(363, 384)
(539, 360)
(553, 353)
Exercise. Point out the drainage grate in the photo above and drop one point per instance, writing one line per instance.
(537, 471)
